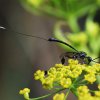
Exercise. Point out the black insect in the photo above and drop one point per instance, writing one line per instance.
(79, 55)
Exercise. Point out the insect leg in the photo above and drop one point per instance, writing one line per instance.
(62, 60)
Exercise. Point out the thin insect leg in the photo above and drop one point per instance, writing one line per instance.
(45, 72)
(62, 60)
(96, 61)
(96, 58)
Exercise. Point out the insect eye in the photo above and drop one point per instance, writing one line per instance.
(82, 55)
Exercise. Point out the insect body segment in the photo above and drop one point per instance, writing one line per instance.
(79, 55)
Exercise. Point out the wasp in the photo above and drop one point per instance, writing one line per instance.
(77, 55)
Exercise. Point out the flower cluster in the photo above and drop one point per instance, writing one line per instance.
(74, 77)
(85, 93)
(25, 92)
(59, 96)
(64, 76)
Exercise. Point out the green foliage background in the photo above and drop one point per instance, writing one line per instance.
(68, 12)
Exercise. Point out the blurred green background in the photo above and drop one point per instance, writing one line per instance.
(21, 56)
(68, 13)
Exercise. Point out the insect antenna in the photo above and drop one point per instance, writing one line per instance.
(1, 27)
(50, 39)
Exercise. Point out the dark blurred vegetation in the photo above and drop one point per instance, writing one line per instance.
(20, 56)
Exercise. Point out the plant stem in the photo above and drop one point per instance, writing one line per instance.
(42, 97)
(72, 21)
(67, 94)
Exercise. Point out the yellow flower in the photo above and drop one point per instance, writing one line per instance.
(97, 67)
(48, 82)
(82, 90)
(99, 86)
(84, 94)
(59, 96)
(58, 66)
(86, 97)
(65, 83)
(52, 71)
(72, 62)
(76, 71)
(25, 92)
(90, 69)
(97, 93)
(39, 75)
(90, 78)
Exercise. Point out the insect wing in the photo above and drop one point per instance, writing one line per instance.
(69, 55)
